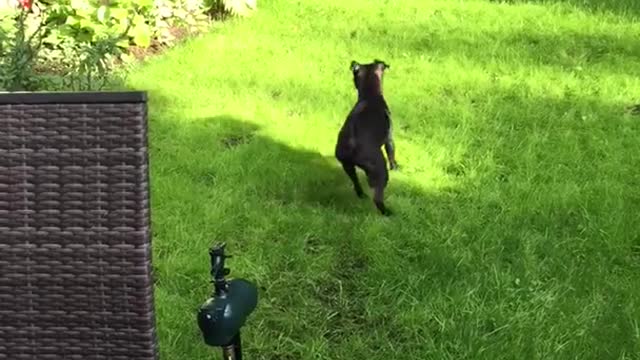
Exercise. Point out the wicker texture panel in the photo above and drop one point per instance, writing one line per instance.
(75, 247)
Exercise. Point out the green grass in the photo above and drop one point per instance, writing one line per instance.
(516, 230)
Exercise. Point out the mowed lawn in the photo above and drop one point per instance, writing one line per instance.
(516, 232)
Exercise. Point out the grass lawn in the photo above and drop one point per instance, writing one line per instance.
(517, 206)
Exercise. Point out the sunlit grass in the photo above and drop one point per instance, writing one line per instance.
(517, 204)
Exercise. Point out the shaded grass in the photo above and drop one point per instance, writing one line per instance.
(625, 8)
(517, 202)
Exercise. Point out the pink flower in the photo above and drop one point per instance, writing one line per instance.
(26, 4)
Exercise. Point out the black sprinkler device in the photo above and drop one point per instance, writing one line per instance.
(222, 315)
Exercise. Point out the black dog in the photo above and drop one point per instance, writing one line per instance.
(365, 131)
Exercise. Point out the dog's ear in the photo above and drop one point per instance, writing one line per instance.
(355, 66)
(385, 66)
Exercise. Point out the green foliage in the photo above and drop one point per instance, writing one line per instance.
(81, 40)
(88, 65)
(90, 21)
(20, 40)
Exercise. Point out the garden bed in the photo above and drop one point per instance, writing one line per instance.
(76, 44)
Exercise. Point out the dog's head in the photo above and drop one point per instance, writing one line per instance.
(367, 78)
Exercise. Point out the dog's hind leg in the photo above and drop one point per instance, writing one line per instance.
(378, 177)
(350, 169)
(378, 199)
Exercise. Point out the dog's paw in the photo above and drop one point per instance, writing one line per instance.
(393, 166)
(386, 212)
(361, 195)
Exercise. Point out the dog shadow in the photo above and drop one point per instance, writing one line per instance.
(271, 171)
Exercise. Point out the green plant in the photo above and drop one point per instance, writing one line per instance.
(150, 22)
(87, 66)
(89, 21)
(40, 40)
(21, 36)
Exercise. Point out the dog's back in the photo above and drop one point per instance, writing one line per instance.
(368, 123)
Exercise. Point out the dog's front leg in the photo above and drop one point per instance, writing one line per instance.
(389, 148)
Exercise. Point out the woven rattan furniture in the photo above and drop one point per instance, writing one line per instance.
(75, 247)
